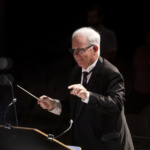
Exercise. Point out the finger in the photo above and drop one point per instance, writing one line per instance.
(71, 92)
(42, 101)
(83, 91)
(43, 97)
(44, 105)
(77, 90)
(71, 86)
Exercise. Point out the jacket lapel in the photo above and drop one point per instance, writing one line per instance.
(94, 74)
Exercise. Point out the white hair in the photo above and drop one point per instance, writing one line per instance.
(92, 35)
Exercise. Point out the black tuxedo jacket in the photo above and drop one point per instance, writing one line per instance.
(100, 124)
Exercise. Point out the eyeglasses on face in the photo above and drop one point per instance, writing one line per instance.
(79, 50)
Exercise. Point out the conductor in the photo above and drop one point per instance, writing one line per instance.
(97, 97)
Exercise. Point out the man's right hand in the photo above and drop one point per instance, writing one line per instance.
(46, 102)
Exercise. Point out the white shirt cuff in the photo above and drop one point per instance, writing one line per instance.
(87, 99)
(57, 110)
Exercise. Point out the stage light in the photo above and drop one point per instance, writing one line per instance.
(5, 63)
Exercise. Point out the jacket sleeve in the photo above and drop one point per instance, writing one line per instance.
(112, 97)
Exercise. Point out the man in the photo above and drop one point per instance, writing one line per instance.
(97, 105)
(141, 72)
(108, 45)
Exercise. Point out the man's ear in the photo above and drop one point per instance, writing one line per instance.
(95, 47)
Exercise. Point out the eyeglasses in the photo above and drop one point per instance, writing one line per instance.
(79, 50)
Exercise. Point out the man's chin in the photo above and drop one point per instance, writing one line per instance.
(79, 64)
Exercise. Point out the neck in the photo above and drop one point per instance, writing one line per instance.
(92, 65)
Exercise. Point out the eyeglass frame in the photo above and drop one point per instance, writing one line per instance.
(79, 50)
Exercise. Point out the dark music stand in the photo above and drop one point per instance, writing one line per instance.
(24, 138)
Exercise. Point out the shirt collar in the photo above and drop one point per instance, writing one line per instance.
(90, 67)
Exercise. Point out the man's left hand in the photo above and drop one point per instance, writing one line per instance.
(78, 90)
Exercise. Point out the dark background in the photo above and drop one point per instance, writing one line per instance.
(30, 23)
(36, 36)
(39, 32)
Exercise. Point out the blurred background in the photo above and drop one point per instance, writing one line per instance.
(35, 37)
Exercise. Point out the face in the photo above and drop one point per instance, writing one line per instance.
(88, 57)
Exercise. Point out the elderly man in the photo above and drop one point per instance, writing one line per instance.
(97, 96)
